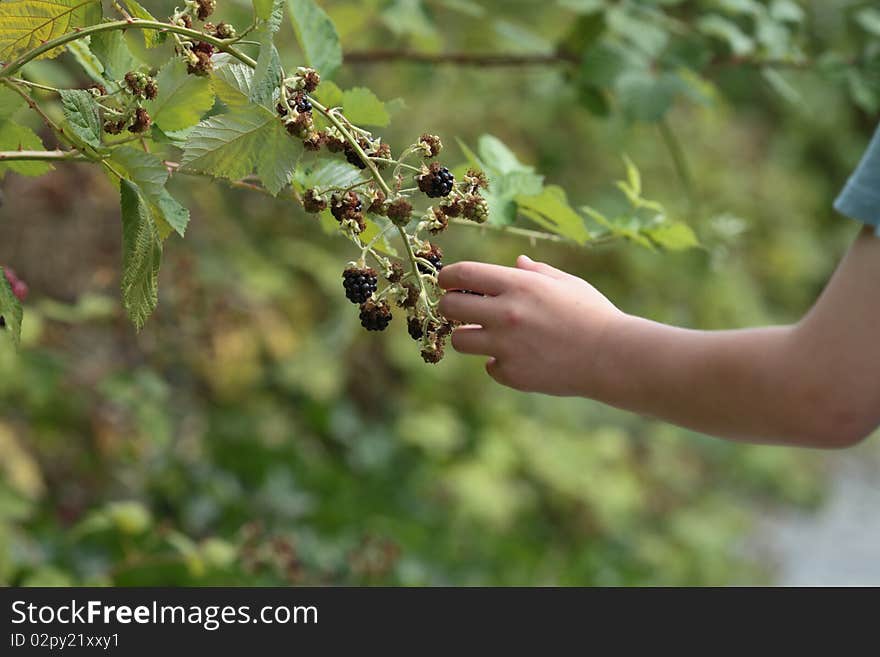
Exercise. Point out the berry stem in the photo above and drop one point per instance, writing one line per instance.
(73, 156)
(135, 23)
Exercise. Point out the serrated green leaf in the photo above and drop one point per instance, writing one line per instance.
(183, 99)
(10, 310)
(497, 156)
(150, 175)
(232, 82)
(152, 38)
(551, 210)
(329, 94)
(267, 74)
(234, 145)
(141, 255)
(14, 137)
(82, 114)
(362, 107)
(278, 158)
(317, 36)
(26, 24)
(326, 172)
(113, 52)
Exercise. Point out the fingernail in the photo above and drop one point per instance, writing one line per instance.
(526, 258)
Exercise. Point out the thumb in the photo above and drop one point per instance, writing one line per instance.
(525, 262)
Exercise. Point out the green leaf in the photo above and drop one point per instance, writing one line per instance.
(14, 137)
(645, 97)
(87, 60)
(233, 145)
(10, 103)
(27, 24)
(317, 36)
(141, 255)
(82, 114)
(726, 30)
(267, 73)
(496, 155)
(278, 158)
(869, 20)
(150, 175)
(263, 8)
(672, 236)
(362, 107)
(326, 172)
(232, 82)
(10, 310)
(152, 38)
(551, 210)
(183, 99)
(329, 94)
(113, 52)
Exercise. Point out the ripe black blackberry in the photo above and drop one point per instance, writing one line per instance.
(354, 158)
(434, 255)
(414, 326)
(302, 104)
(359, 284)
(436, 182)
(375, 316)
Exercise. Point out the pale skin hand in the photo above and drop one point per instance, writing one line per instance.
(815, 383)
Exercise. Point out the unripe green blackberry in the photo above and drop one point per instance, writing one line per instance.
(433, 354)
(433, 254)
(375, 316)
(437, 220)
(476, 180)
(399, 211)
(436, 181)
(430, 145)
(396, 273)
(377, 203)
(475, 208)
(142, 121)
(360, 284)
(224, 31)
(205, 8)
(313, 202)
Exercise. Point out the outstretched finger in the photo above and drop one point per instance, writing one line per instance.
(478, 277)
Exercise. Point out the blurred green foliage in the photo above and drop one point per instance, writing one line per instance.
(252, 434)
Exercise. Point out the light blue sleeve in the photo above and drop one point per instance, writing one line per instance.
(860, 199)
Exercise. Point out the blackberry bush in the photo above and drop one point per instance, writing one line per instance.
(271, 133)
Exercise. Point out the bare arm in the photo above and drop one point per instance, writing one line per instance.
(816, 383)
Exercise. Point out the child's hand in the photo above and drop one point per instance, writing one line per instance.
(542, 328)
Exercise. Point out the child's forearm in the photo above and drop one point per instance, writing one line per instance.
(815, 383)
(728, 383)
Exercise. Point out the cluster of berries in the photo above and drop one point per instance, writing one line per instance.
(361, 284)
(19, 289)
(128, 112)
(197, 54)
(295, 108)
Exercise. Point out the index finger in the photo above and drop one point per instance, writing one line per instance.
(477, 277)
